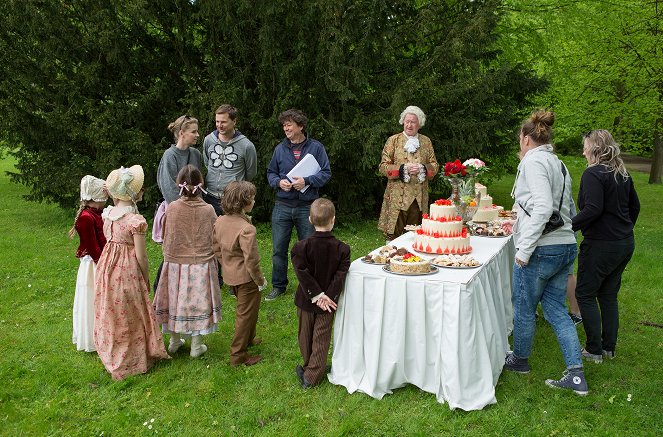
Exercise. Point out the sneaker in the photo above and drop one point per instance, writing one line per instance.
(598, 359)
(571, 380)
(575, 319)
(515, 364)
(608, 355)
(276, 292)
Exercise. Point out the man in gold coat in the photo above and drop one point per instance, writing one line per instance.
(408, 162)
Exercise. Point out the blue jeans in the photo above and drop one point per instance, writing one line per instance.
(543, 280)
(283, 220)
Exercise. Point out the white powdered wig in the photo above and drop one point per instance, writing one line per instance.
(416, 111)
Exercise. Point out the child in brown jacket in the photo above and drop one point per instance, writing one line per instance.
(236, 248)
(321, 263)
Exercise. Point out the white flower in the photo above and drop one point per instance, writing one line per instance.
(223, 156)
(474, 163)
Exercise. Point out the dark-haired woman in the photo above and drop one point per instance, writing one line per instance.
(188, 297)
(609, 208)
(543, 259)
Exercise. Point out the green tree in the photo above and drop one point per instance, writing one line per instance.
(94, 84)
(604, 63)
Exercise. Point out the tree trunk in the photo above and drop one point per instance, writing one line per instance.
(657, 161)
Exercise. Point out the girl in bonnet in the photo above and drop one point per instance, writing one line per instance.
(125, 332)
(89, 226)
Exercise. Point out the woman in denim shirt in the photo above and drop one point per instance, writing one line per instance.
(543, 259)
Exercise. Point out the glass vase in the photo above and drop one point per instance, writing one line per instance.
(456, 184)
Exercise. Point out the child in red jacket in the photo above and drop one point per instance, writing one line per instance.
(321, 263)
(89, 226)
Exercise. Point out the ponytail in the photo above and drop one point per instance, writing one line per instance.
(81, 207)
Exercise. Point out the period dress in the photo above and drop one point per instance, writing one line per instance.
(399, 195)
(126, 335)
(188, 297)
(90, 228)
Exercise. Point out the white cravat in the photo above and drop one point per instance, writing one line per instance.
(412, 143)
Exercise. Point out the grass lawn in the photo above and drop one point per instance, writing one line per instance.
(48, 388)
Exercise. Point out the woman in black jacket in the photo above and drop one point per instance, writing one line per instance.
(609, 208)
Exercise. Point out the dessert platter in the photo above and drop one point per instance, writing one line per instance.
(409, 264)
(493, 229)
(456, 262)
(383, 255)
(399, 261)
(442, 231)
(506, 214)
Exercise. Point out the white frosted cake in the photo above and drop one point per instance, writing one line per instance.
(487, 212)
(442, 232)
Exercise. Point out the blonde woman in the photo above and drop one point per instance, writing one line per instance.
(609, 208)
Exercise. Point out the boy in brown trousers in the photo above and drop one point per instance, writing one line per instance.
(321, 263)
(236, 248)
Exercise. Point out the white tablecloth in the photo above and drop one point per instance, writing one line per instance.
(446, 333)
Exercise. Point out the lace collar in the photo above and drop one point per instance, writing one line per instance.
(122, 211)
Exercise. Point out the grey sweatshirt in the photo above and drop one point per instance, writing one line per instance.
(172, 161)
(234, 161)
(538, 188)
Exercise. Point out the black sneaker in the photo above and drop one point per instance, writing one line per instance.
(598, 359)
(276, 292)
(608, 355)
(515, 364)
(571, 380)
(575, 319)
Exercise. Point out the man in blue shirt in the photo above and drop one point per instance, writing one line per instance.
(292, 206)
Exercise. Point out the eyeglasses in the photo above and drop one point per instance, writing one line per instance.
(587, 134)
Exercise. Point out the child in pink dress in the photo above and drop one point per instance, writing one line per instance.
(125, 333)
(188, 298)
(89, 226)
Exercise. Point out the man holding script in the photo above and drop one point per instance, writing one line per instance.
(297, 180)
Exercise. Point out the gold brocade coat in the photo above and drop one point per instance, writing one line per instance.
(399, 195)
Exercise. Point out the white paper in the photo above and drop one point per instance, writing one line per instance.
(306, 167)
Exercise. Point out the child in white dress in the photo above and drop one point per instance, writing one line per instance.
(89, 226)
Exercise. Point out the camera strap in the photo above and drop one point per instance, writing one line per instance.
(561, 198)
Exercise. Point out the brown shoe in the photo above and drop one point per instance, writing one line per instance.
(250, 361)
(255, 342)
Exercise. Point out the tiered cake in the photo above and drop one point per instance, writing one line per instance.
(442, 231)
(487, 212)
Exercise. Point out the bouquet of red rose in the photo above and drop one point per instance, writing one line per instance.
(455, 169)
